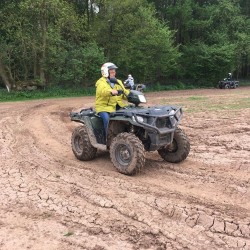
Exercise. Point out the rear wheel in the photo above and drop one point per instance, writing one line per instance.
(227, 86)
(127, 153)
(81, 146)
(178, 150)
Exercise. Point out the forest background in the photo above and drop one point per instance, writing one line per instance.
(63, 43)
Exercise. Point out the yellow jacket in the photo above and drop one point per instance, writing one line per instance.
(105, 102)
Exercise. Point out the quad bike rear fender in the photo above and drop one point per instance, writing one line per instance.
(93, 124)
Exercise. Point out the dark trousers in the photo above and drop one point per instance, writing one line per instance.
(105, 119)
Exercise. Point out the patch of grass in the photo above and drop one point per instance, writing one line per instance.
(231, 106)
(166, 87)
(46, 215)
(68, 234)
(244, 82)
(197, 98)
(237, 104)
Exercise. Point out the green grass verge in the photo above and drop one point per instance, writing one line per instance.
(60, 92)
(218, 106)
(197, 98)
(54, 92)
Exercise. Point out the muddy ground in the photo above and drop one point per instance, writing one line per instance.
(50, 200)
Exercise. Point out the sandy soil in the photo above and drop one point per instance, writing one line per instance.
(50, 200)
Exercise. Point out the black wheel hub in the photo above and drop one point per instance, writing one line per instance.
(172, 147)
(123, 154)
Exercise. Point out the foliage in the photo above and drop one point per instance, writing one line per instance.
(44, 40)
(215, 25)
(71, 65)
(64, 42)
(134, 39)
(208, 63)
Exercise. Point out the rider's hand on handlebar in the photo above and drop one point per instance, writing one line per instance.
(114, 92)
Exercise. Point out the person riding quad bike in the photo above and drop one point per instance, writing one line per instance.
(108, 93)
(228, 83)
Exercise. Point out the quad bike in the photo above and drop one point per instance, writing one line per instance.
(132, 131)
(228, 84)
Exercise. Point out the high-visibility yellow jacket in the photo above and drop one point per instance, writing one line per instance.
(105, 101)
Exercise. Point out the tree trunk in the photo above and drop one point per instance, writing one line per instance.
(43, 24)
(7, 81)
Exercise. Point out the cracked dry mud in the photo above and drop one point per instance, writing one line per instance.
(50, 200)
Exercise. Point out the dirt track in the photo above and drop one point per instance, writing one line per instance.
(50, 200)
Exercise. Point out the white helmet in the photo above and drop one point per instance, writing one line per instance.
(229, 74)
(106, 67)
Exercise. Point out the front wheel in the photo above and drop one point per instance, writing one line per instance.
(81, 146)
(178, 150)
(127, 153)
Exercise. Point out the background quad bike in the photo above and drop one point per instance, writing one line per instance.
(228, 84)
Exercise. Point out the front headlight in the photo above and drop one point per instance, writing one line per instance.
(142, 98)
(172, 112)
(139, 119)
(172, 118)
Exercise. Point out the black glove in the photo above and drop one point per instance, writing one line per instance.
(120, 92)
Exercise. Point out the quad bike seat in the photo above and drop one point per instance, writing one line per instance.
(83, 112)
(88, 111)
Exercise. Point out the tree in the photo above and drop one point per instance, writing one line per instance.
(134, 38)
(207, 63)
(213, 25)
(42, 41)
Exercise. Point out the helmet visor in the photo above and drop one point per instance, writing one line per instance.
(113, 66)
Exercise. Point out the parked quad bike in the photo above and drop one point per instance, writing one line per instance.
(131, 132)
(228, 84)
